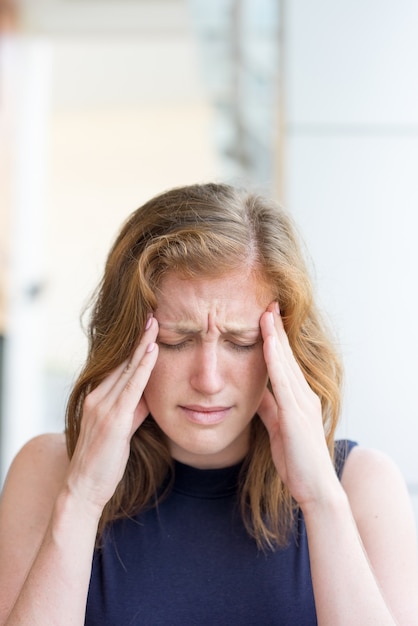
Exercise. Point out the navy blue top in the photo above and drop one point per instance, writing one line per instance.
(190, 561)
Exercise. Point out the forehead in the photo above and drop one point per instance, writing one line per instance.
(232, 295)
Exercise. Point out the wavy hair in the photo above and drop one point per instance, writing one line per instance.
(205, 230)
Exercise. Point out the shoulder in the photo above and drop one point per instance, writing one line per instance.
(379, 500)
(49, 444)
(360, 458)
(35, 477)
(384, 516)
(31, 487)
(367, 468)
(43, 457)
(371, 478)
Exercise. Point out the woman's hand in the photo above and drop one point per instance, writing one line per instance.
(112, 412)
(293, 418)
(47, 537)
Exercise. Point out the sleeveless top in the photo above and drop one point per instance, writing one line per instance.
(190, 562)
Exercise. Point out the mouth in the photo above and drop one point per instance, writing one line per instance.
(205, 416)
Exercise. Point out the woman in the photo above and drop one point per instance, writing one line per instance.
(200, 482)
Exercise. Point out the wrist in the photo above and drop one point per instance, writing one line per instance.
(70, 511)
(331, 500)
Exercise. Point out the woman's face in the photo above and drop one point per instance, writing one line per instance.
(210, 373)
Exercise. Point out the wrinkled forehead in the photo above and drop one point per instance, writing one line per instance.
(232, 301)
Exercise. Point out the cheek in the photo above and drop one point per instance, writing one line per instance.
(260, 369)
(260, 379)
(160, 379)
(254, 372)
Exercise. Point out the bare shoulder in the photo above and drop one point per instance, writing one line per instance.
(383, 512)
(49, 446)
(375, 487)
(372, 475)
(40, 466)
(32, 484)
(361, 460)
(31, 487)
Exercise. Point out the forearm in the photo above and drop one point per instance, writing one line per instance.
(346, 591)
(55, 590)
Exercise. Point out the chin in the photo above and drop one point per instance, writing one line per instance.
(209, 454)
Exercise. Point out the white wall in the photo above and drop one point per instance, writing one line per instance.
(122, 119)
(352, 161)
(25, 87)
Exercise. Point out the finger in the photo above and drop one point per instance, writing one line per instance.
(102, 389)
(131, 395)
(305, 396)
(284, 340)
(268, 413)
(140, 413)
(273, 325)
(291, 395)
(280, 376)
(277, 349)
(135, 385)
(149, 336)
(121, 377)
(267, 410)
(119, 420)
(108, 383)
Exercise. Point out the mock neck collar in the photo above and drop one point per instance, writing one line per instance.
(206, 483)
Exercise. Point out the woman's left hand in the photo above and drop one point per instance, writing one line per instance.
(293, 417)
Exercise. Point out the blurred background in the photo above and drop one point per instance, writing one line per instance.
(104, 103)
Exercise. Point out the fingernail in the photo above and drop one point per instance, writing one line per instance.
(150, 347)
(149, 322)
(277, 308)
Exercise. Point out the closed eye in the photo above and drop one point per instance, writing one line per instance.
(235, 345)
(243, 347)
(174, 346)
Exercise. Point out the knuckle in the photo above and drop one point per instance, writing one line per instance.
(93, 409)
(130, 387)
(128, 368)
(89, 402)
(135, 383)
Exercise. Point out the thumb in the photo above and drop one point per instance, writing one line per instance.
(140, 413)
(267, 410)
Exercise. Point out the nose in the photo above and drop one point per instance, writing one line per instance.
(207, 373)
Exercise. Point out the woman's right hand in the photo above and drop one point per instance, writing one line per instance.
(50, 508)
(112, 412)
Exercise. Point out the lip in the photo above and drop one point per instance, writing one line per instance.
(205, 415)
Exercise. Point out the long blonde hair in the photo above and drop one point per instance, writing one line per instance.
(205, 230)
